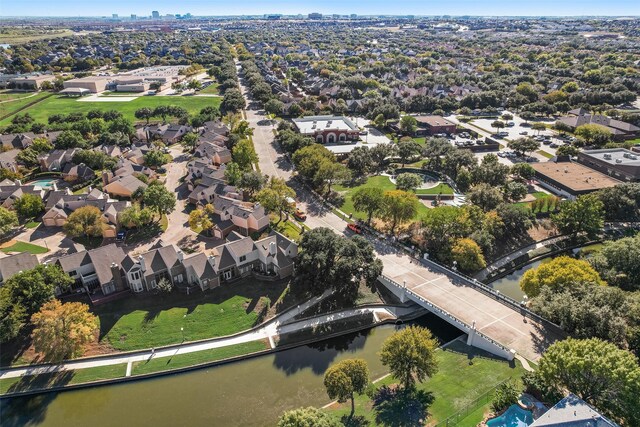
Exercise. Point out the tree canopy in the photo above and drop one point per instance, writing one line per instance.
(558, 274)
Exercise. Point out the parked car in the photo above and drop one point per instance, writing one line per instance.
(553, 145)
(510, 124)
(121, 236)
(524, 132)
(355, 228)
(300, 215)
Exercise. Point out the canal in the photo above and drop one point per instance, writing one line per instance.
(253, 392)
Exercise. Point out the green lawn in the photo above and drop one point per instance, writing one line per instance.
(65, 105)
(196, 358)
(154, 321)
(25, 247)
(545, 154)
(9, 95)
(464, 374)
(212, 89)
(62, 378)
(32, 224)
(12, 107)
(288, 229)
(441, 188)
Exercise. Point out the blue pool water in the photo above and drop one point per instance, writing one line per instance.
(515, 416)
(44, 183)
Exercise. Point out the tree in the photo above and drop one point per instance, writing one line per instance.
(331, 172)
(468, 255)
(497, 124)
(189, 141)
(360, 160)
(596, 371)
(567, 150)
(274, 106)
(485, 196)
(558, 274)
(622, 202)
(523, 171)
(327, 261)
(85, 221)
(307, 160)
(514, 191)
(144, 113)
(593, 134)
(619, 263)
(410, 355)
(232, 101)
(583, 215)
(380, 121)
(62, 330)
(154, 158)
(274, 196)
(506, 394)
(408, 181)
(244, 155)
(96, 160)
(28, 205)
(368, 200)
(398, 206)
(517, 219)
(345, 378)
(490, 171)
(164, 286)
(12, 316)
(307, 417)
(200, 220)
(32, 288)
(70, 139)
(252, 182)
(408, 125)
(134, 216)
(538, 127)
(8, 221)
(524, 145)
(160, 199)
(233, 173)
(507, 116)
(407, 150)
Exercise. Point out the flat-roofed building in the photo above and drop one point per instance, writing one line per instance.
(569, 179)
(94, 84)
(328, 129)
(619, 163)
(433, 125)
(32, 82)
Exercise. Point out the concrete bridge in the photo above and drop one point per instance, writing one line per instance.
(493, 322)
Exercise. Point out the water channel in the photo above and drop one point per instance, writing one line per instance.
(253, 392)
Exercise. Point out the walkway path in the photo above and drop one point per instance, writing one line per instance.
(281, 324)
(19, 99)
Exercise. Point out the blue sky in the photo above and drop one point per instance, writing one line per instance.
(362, 7)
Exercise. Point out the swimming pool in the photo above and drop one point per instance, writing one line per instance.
(44, 183)
(515, 416)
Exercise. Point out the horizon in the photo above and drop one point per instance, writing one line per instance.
(200, 8)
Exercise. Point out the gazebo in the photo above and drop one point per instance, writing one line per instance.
(75, 91)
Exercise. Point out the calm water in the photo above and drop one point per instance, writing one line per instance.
(248, 393)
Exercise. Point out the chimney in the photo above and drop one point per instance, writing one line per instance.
(18, 182)
(117, 277)
(141, 262)
(272, 248)
(212, 260)
(105, 178)
(180, 256)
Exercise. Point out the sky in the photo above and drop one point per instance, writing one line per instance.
(362, 7)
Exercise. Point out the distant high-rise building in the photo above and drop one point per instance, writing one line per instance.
(354, 16)
(114, 16)
(155, 14)
(134, 17)
(315, 16)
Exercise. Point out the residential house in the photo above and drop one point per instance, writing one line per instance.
(14, 264)
(572, 411)
(217, 154)
(56, 160)
(124, 186)
(75, 173)
(620, 130)
(145, 271)
(12, 190)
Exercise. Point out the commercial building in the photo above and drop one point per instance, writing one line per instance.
(616, 162)
(328, 129)
(620, 130)
(569, 179)
(93, 84)
(433, 125)
(31, 82)
(315, 16)
(155, 14)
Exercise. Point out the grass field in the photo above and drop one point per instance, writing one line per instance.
(212, 89)
(9, 95)
(385, 184)
(196, 358)
(18, 37)
(545, 154)
(64, 105)
(457, 383)
(10, 108)
(154, 321)
(25, 247)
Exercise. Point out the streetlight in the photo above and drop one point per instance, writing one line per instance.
(182, 330)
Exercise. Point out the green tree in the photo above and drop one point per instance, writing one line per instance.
(408, 125)
(144, 113)
(497, 124)
(408, 150)
(559, 273)
(154, 158)
(345, 378)
(514, 191)
(619, 262)
(70, 139)
(408, 181)
(199, 219)
(134, 216)
(252, 182)
(583, 215)
(12, 316)
(307, 160)
(485, 196)
(159, 199)
(28, 205)
(368, 200)
(274, 196)
(307, 417)
(523, 171)
(506, 394)
(85, 221)
(596, 371)
(524, 145)
(232, 101)
(274, 106)
(32, 288)
(233, 173)
(398, 206)
(468, 255)
(538, 127)
(244, 155)
(593, 134)
(567, 150)
(410, 355)
(360, 160)
(8, 221)
(380, 121)
(329, 173)
(62, 330)
(189, 141)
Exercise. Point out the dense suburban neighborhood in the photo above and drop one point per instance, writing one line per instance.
(320, 220)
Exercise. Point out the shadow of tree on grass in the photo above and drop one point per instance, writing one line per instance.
(397, 407)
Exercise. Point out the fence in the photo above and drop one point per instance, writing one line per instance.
(483, 399)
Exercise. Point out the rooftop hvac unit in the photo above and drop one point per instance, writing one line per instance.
(633, 157)
(626, 155)
(607, 156)
(618, 160)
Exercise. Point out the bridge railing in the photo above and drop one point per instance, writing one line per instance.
(464, 326)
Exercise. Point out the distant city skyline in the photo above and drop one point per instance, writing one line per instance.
(78, 8)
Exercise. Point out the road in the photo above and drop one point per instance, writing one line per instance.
(497, 320)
